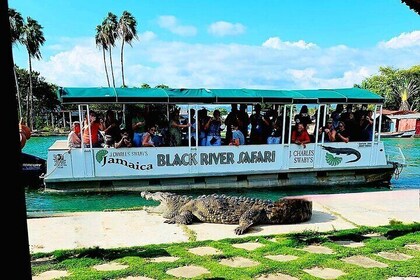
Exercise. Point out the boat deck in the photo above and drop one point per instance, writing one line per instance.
(59, 145)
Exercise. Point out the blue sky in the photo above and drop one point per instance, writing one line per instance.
(227, 44)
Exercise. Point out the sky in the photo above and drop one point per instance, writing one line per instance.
(264, 44)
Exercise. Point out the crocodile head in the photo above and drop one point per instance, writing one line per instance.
(290, 210)
(170, 203)
(157, 196)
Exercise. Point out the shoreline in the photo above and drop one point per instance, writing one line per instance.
(113, 229)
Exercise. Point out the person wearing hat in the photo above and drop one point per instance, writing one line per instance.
(73, 138)
(328, 131)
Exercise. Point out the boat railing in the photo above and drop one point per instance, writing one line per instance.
(395, 154)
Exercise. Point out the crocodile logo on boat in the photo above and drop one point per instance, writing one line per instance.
(331, 160)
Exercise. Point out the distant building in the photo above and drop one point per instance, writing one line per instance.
(401, 123)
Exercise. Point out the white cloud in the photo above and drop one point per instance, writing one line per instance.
(179, 64)
(224, 28)
(147, 36)
(404, 40)
(81, 65)
(310, 78)
(277, 43)
(171, 23)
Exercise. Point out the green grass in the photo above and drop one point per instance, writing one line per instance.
(80, 262)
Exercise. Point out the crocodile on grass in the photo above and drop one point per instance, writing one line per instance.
(222, 209)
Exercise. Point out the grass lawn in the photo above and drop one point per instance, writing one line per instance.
(396, 247)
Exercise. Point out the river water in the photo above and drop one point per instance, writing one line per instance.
(39, 202)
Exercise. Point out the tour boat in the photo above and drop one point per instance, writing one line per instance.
(165, 168)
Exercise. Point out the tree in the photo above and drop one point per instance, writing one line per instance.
(405, 88)
(33, 39)
(389, 83)
(110, 28)
(45, 95)
(127, 30)
(162, 86)
(101, 42)
(16, 29)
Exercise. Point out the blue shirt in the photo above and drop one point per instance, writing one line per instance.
(237, 134)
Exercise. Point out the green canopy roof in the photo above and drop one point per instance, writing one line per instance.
(73, 95)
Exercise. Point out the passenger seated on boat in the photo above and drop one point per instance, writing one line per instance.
(112, 129)
(175, 128)
(148, 137)
(342, 135)
(275, 135)
(73, 138)
(328, 131)
(360, 112)
(125, 140)
(268, 124)
(352, 127)
(256, 119)
(238, 137)
(366, 125)
(230, 119)
(300, 136)
(91, 130)
(213, 128)
(304, 117)
(138, 125)
(202, 120)
(336, 115)
(108, 142)
(243, 120)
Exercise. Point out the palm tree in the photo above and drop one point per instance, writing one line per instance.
(100, 39)
(16, 26)
(110, 28)
(33, 39)
(405, 88)
(127, 30)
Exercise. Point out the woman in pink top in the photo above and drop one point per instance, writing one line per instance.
(94, 126)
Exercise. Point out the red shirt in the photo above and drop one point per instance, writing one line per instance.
(303, 137)
(94, 129)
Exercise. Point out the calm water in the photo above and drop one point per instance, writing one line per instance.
(41, 203)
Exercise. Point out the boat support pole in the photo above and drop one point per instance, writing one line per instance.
(380, 123)
(318, 114)
(373, 136)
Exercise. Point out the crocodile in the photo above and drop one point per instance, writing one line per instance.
(222, 209)
(344, 151)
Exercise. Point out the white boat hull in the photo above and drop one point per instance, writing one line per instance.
(248, 166)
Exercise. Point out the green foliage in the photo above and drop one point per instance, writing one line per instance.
(44, 94)
(394, 222)
(388, 80)
(161, 86)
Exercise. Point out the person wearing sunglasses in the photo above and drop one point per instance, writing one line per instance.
(342, 135)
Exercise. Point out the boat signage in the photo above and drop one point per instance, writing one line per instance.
(155, 161)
